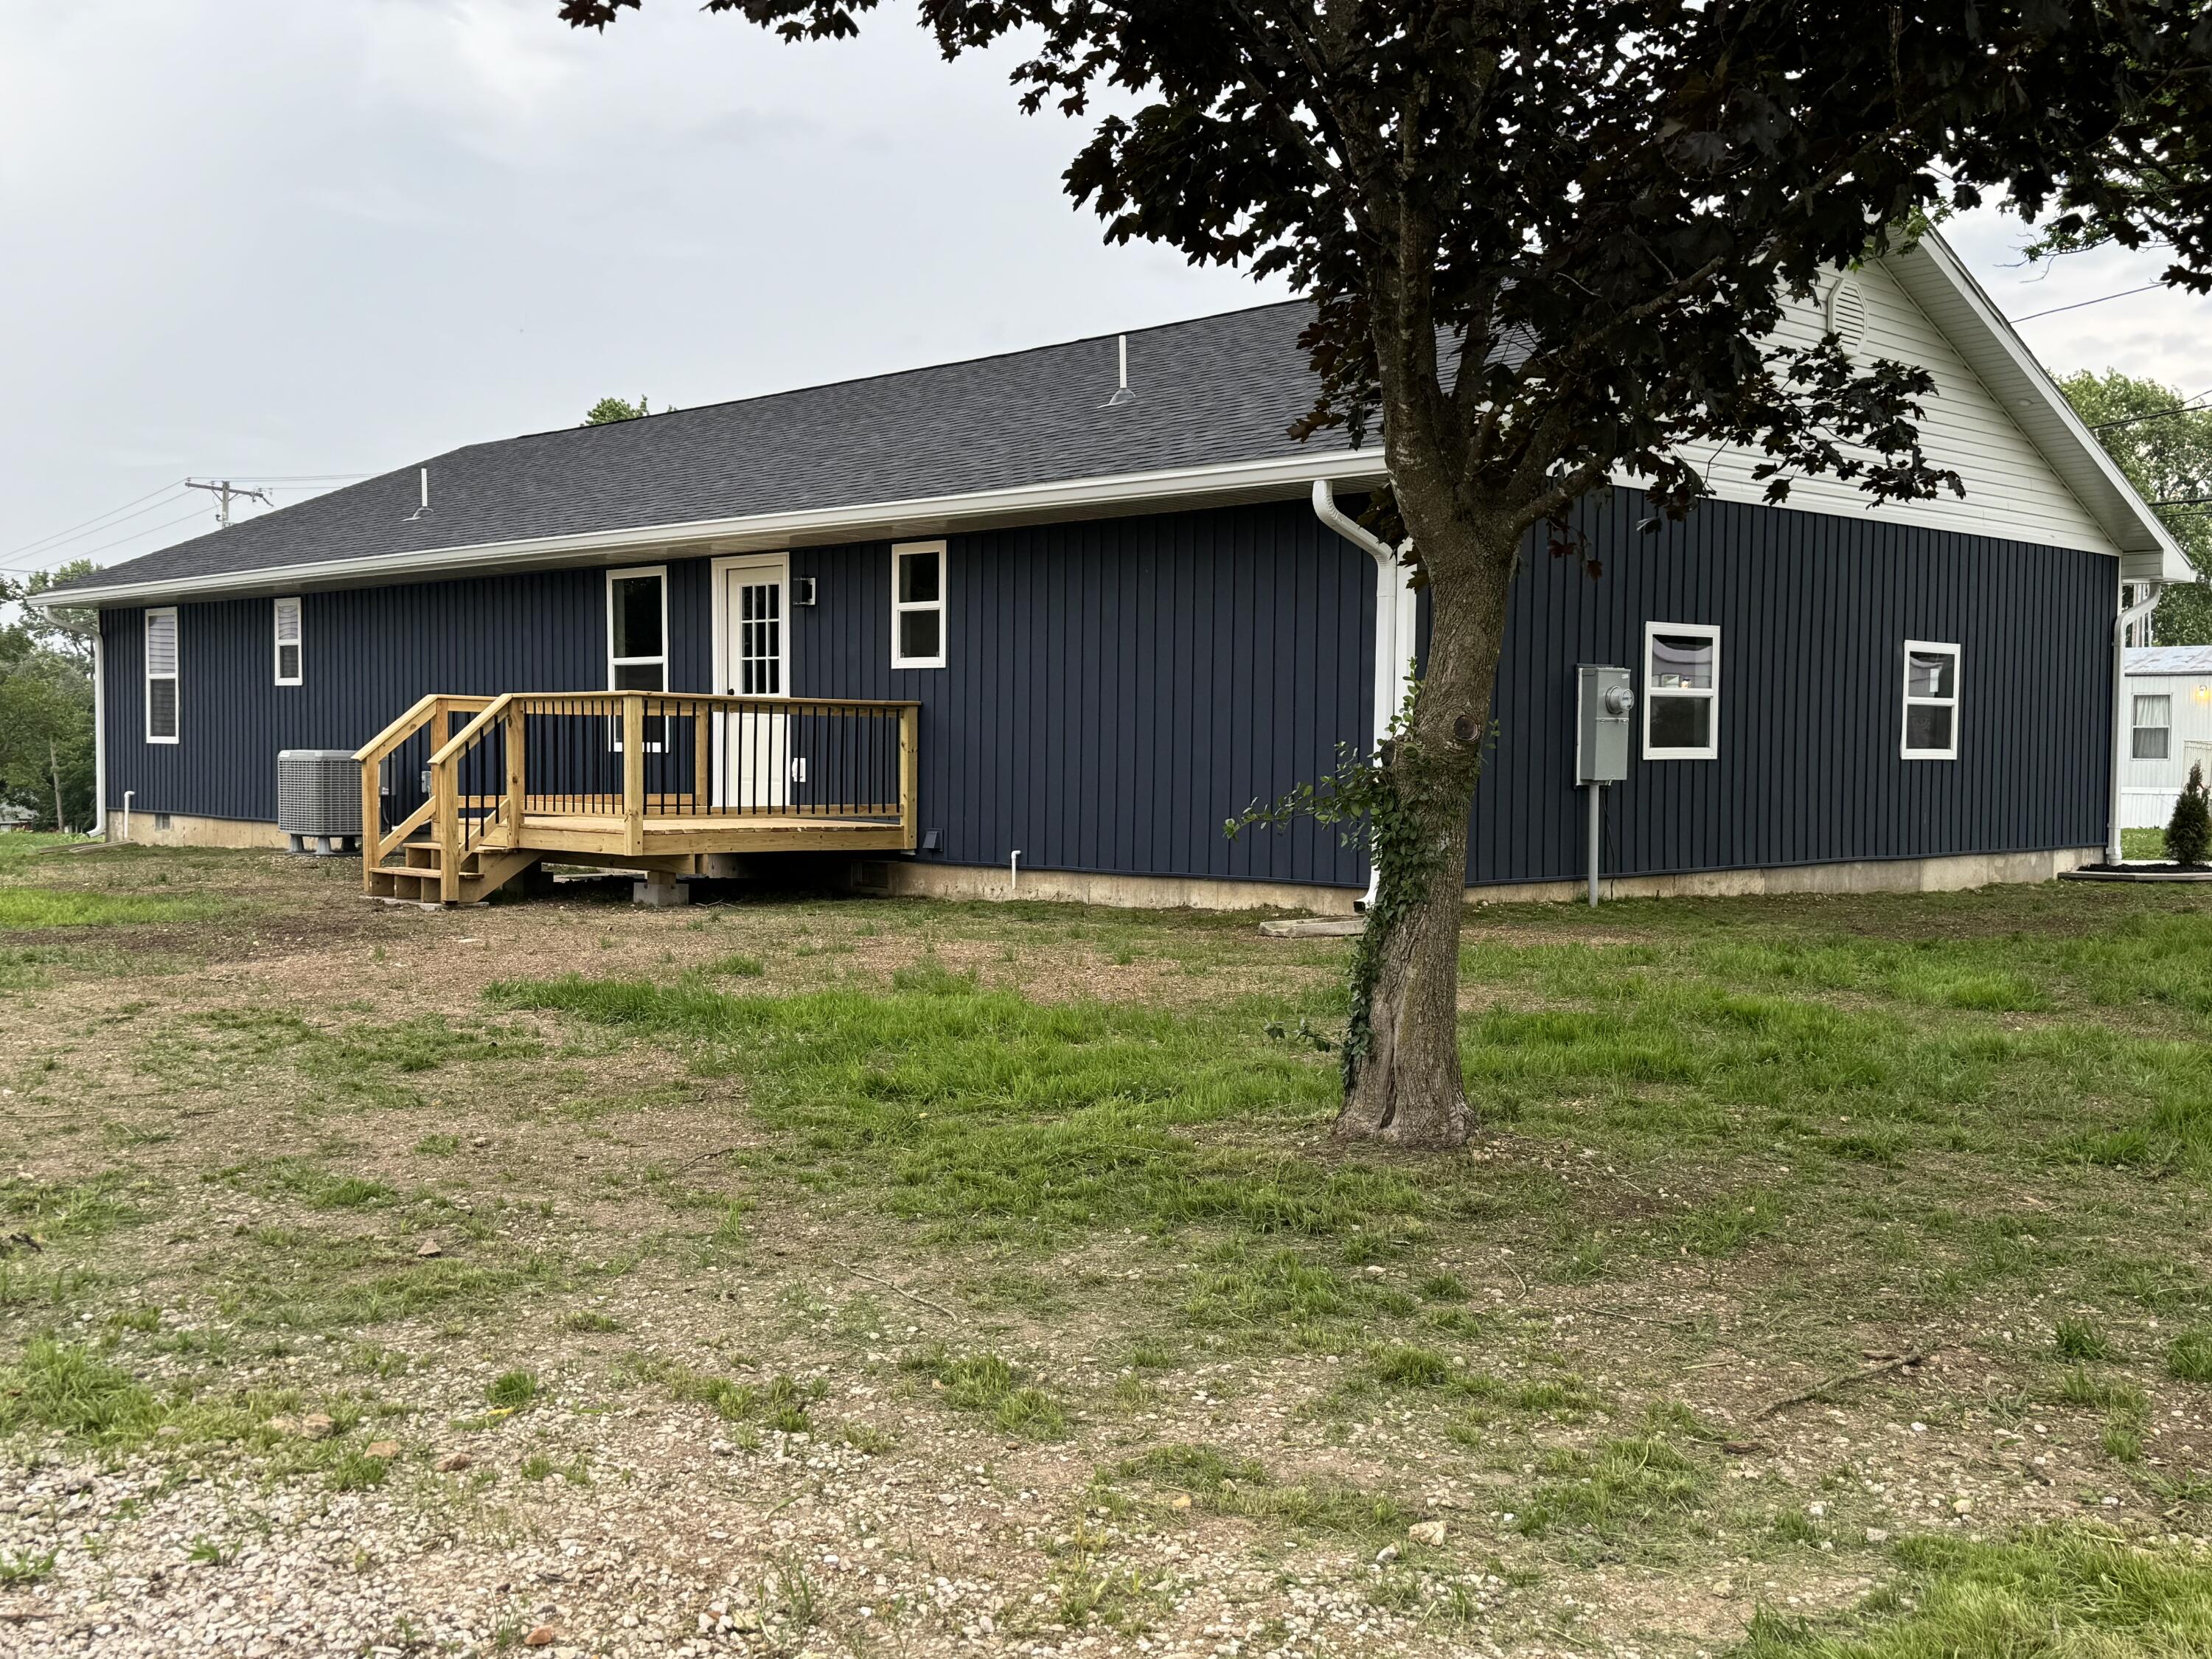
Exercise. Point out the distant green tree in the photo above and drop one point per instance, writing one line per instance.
(46, 744)
(2189, 831)
(2164, 449)
(608, 411)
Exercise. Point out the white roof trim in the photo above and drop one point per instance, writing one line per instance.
(1946, 291)
(1286, 478)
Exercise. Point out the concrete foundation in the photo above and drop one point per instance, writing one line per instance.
(1935, 875)
(185, 829)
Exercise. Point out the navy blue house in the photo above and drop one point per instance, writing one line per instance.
(985, 627)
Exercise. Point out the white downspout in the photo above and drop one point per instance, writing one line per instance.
(2129, 616)
(1395, 613)
(98, 734)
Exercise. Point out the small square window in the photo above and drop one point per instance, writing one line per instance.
(1682, 691)
(1931, 701)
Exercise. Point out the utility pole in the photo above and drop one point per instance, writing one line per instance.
(222, 492)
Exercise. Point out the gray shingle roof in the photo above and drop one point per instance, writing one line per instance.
(1217, 389)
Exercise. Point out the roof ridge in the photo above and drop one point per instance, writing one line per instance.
(895, 374)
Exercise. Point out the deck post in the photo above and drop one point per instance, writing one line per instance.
(372, 822)
(703, 758)
(909, 750)
(517, 781)
(445, 795)
(634, 769)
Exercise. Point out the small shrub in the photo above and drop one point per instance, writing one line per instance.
(2189, 831)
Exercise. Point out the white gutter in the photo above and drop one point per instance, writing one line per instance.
(1396, 614)
(1133, 492)
(99, 736)
(2129, 616)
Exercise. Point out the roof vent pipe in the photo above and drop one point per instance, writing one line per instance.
(425, 507)
(1121, 392)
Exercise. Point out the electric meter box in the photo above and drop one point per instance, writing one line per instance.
(1604, 703)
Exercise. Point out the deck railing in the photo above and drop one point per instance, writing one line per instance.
(626, 768)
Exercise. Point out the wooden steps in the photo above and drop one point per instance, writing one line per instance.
(417, 875)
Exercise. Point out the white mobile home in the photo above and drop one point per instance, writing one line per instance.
(2169, 701)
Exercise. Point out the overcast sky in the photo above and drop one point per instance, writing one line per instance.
(262, 238)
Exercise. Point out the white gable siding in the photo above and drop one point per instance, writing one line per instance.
(2012, 491)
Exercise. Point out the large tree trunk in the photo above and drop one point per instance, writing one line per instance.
(1402, 1082)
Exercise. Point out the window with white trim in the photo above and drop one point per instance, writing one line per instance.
(1931, 701)
(2153, 728)
(637, 630)
(918, 604)
(162, 675)
(1682, 691)
(287, 642)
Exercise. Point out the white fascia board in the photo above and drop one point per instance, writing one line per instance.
(1943, 288)
(1283, 477)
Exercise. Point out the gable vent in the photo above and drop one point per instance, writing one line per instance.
(1847, 315)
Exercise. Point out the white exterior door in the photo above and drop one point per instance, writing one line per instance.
(752, 656)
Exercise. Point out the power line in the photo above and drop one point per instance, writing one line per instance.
(2187, 406)
(155, 530)
(136, 535)
(2078, 304)
(97, 522)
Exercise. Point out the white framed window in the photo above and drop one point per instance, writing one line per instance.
(637, 642)
(1682, 691)
(918, 604)
(1931, 701)
(637, 630)
(287, 642)
(162, 675)
(2153, 728)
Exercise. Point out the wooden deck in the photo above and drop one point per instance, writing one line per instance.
(648, 781)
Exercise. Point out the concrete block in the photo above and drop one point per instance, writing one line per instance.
(1315, 927)
(658, 890)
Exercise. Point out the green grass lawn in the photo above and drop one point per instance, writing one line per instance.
(1049, 1192)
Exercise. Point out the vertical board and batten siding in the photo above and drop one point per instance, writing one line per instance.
(2012, 493)
(1814, 612)
(1116, 688)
